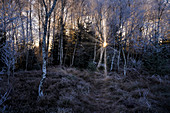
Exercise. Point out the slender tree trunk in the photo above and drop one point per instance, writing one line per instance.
(27, 44)
(74, 53)
(13, 50)
(48, 14)
(105, 62)
(39, 20)
(101, 56)
(61, 47)
(58, 58)
(124, 62)
(16, 39)
(23, 29)
(111, 68)
(22, 24)
(26, 67)
(54, 22)
(31, 34)
(128, 57)
(44, 59)
(48, 37)
(118, 60)
(61, 32)
(58, 52)
(8, 58)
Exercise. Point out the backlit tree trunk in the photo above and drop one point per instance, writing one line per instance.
(48, 36)
(101, 56)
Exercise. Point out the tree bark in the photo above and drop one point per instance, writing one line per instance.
(111, 68)
(118, 60)
(101, 56)
(74, 53)
(44, 58)
(48, 14)
(61, 32)
(31, 34)
(105, 62)
(26, 67)
(124, 62)
(48, 37)
(39, 20)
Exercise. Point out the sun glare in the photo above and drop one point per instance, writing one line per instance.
(104, 44)
(37, 44)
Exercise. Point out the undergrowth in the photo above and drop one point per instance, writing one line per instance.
(69, 90)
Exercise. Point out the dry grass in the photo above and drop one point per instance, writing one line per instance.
(69, 90)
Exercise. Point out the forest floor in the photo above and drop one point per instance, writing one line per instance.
(69, 90)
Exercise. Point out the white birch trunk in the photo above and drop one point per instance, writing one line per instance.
(111, 68)
(40, 91)
(105, 62)
(48, 37)
(101, 56)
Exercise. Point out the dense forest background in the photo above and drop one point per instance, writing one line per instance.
(124, 38)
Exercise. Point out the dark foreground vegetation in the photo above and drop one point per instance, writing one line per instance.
(69, 90)
(121, 47)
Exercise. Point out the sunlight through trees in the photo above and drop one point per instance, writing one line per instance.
(105, 36)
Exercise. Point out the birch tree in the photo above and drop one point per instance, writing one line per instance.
(47, 16)
(8, 18)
